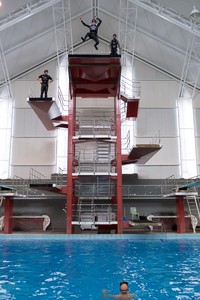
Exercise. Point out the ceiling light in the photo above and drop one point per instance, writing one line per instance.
(195, 13)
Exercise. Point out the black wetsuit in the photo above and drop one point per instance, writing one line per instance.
(113, 47)
(93, 32)
(44, 84)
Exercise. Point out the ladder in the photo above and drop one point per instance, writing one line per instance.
(194, 208)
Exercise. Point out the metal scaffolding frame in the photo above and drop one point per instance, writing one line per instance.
(63, 28)
(95, 8)
(127, 31)
(3, 68)
(191, 66)
(24, 12)
(168, 14)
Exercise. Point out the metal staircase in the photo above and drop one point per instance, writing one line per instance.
(103, 152)
(94, 206)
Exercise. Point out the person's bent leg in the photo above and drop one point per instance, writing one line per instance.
(86, 36)
(95, 38)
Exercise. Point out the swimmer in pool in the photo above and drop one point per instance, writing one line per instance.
(124, 294)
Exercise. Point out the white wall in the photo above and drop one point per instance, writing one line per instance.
(157, 112)
(32, 145)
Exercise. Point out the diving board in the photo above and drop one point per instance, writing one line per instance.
(7, 191)
(149, 224)
(187, 186)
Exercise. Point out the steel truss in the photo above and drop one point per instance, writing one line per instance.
(127, 31)
(6, 78)
(63, 28)
(26, 11)
(191, 66)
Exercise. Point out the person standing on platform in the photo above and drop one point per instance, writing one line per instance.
(44, 79)
(114, 46)
(93, 34)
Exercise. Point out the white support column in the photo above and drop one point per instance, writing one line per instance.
(187, 88)
(6, 116)
(64, 46)
(126, 36)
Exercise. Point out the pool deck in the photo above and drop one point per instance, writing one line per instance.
(136, 237)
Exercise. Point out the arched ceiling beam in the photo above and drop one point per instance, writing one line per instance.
(169, 15)
(25, 12)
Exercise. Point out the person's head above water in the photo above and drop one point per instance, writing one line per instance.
(124, 287)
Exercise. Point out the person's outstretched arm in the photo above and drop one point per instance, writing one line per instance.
(84, 23)
(99, 22)
(105, 295)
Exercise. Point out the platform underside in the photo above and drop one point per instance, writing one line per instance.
(94, 75)
(48, 112)
(140, 154)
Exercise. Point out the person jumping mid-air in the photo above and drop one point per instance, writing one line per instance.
(96, 22)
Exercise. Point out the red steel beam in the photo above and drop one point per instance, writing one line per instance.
(8, 213)
(180, 214)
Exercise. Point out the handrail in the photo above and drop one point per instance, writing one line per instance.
(126, 142)
(31, 93)
(94, 212)
(62, 103)
(156, 138)
(36, 176)
(123, 111)
(130, 88)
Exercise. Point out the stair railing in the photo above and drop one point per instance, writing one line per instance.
(123, 111)
(36, 177)
(168, 184)
(126, 142)
(31, 93)
(130, 88)
(62, 103)
(21, 185)
(156, 138)
(94, 213)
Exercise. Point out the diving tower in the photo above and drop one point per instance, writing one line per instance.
(94, 150)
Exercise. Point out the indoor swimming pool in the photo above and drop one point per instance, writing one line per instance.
(80, 269)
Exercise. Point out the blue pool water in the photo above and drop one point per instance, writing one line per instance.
(75, 269)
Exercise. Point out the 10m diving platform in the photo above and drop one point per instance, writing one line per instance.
(94, 153)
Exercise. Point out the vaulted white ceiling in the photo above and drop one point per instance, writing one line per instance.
(163, 29)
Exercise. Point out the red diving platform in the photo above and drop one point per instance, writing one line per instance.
(140, 154)
(48, 113)
(94, 75)
(132, 106)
